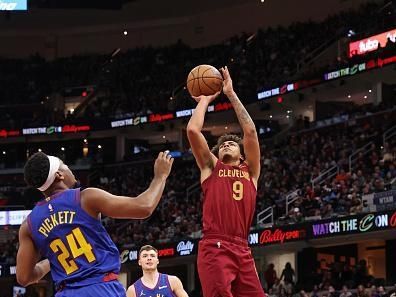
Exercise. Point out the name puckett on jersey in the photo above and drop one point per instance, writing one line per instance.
(56, 219)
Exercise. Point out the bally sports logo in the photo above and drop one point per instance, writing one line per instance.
(280, 236)
(185, 248)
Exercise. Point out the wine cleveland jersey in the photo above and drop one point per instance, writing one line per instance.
(229, 201)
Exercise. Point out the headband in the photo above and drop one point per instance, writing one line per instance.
(54, 166)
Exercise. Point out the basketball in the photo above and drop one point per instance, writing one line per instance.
(204, 80)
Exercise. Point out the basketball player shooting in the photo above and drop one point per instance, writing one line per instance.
(229, 175)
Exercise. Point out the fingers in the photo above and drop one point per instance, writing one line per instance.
(163, 164)
(164, 155)
(217, 94)
(167, 156)
(203, 97)
(224, 71)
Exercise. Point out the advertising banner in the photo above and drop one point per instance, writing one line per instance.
(11, 5)
(361, 223)
(380, 201)
(13, 217)
(181, 248)
(371, 43)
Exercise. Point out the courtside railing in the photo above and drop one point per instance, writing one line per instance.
(364, 150)
(325, 175)
(266, 216)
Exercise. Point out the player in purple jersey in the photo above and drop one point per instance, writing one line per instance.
(65, 228)
(153, 283)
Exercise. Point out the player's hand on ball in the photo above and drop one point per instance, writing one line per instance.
(163, 165)
(208, 98)
(227, 84)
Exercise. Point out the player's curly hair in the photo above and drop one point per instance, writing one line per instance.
(36, 170)
(228, 137)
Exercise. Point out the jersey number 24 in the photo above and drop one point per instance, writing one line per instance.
(76, 246)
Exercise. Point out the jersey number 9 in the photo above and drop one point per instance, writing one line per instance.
(237, 190)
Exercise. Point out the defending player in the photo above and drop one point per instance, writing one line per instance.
(66, 229)
(229, 175)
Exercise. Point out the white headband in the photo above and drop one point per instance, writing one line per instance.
(54, 166)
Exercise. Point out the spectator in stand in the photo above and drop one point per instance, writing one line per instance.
(288, 274)
(314, 292)
(360, 292)
(326, 280)
(381, 292)
(342, 176)
(283, 292)
(332, 292)
(347, 276)
(392, 292)
(367, 292)
(270, 275)
(345, 292)
(289, 288)
(327, 211)
(277, 286)
(361, 274)
(374, 291)
(271, 293)
(302, 293)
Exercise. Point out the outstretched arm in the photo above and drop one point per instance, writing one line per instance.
(204, 158)
(250, 140)
(177, 286)
(94, 200)
(28, 269)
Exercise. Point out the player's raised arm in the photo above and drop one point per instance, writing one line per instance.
(28, 269)
(96, 201)
(204, 158)
(250, 140)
